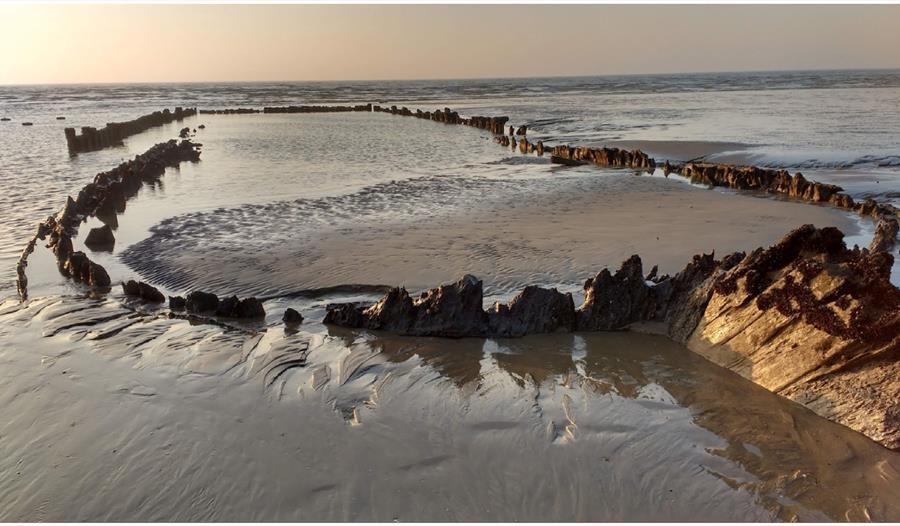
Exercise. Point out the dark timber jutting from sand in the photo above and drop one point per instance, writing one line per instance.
(103, 198)
(747, 313)
(114, 132)
(808, 318)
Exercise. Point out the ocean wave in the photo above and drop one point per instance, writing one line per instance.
(274, 93)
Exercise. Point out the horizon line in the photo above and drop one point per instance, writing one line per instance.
(561, 76)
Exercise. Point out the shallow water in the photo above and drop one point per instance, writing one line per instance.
(512, 225)
(835, 125)
(147, 418)
(111, 411)
(334, 206)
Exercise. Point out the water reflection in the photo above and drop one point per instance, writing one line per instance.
(797, 464)
(604, 426)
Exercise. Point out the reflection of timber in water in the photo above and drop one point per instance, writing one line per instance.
(460, 364)
(539, 359)
(795, 459)
(794, 454)
(603, 411)
(792, 451)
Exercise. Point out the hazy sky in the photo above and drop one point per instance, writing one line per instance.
(134, 43)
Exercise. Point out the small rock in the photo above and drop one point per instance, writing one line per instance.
(612, 301)
(247, 308)
(251, 308)
(100, 239)
(228, 307)
(292, 317)
(198, 301)
(177, 303)
(151, 293)
(143, 290)
(885, 234)
(131, 288)
(452, 310)
(344, 315)
(82, 269)
(534, 310)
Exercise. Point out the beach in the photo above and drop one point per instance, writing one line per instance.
(119, 409)
(388, 429)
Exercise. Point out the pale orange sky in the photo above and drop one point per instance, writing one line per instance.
(135, 43)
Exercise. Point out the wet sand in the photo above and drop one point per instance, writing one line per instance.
(557, 230)
(108, 413)
(143, 418)
(682, 151)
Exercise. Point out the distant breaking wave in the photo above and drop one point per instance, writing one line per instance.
(275, 93)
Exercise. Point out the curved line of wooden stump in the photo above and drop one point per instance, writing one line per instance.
(839, 301)
(113, 133)
(106, 195)
(103, 198)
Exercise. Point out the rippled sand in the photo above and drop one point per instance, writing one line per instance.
(558, 229)
(110, 411)
(136, 417)
(436, 202)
